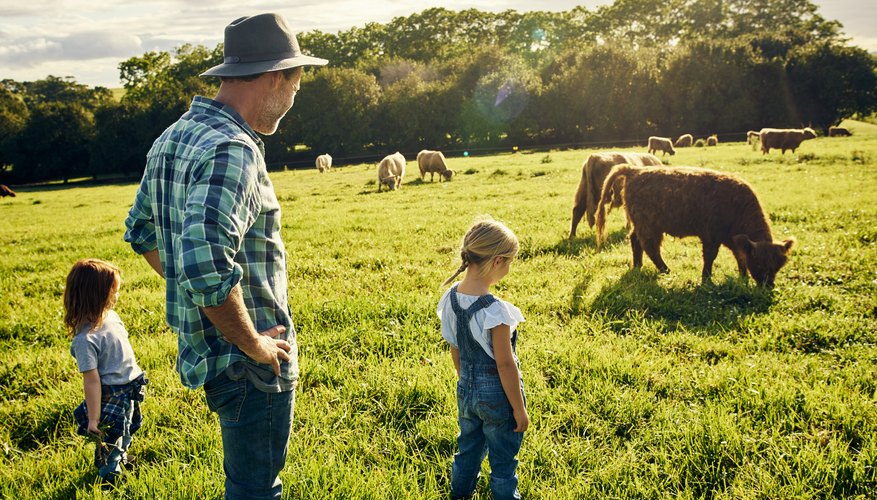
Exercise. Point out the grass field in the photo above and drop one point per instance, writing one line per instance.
(639, 385)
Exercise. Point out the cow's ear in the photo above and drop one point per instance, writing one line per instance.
(788, 244)
(743, 242)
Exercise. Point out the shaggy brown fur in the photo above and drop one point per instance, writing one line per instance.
(720, 209)
(712, 140)
(5, 191)
(661, 144)
(594, 171)
(434, 163)
(839, 132)
(784, 138)
(684, 141)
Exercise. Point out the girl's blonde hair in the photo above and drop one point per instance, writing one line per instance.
(89, 293)
(485, 240)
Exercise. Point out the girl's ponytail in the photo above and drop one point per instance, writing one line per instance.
(485, 240)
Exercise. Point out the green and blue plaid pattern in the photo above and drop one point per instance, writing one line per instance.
(206, 203)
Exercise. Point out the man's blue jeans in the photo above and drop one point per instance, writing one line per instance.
(255, 435)
(487, 424)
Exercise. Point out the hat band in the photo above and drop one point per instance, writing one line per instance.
(261, 57)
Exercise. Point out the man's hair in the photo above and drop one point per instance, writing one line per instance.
(288, 73)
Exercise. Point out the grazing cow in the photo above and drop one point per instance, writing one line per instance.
(391, 170)
(839, 132)
(718, 208)
(784, 138)
(661, 144)
(434, 163)
(712, 140)
(684, 141)
(5, 191)
(594, 172)
(324, 163)
(752, 136)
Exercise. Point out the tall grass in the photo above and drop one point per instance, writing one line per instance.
(639, 385)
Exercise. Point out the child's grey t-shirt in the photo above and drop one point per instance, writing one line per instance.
(107, 349)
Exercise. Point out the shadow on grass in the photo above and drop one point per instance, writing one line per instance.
(723, 304)
(571, 247)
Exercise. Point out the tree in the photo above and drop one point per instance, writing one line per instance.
(331, 114)
(13, 118)
(831, 82)
(709, 87)
(54, 143)
(605, 92)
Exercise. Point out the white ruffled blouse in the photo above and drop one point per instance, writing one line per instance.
(498, 313)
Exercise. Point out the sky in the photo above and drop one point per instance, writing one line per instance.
(87, 39)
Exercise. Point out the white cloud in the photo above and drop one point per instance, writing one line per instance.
(85, 46)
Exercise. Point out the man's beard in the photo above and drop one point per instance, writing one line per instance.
(273, 110)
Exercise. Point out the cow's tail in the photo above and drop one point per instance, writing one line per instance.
(618, 173)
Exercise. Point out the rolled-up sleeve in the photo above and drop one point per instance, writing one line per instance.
(139, 225)
(222, 204)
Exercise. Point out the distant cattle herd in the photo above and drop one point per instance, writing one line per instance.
(720, 209)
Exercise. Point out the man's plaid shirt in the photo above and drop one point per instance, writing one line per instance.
(206, 203)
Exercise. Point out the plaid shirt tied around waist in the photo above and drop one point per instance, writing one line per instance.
(114, 398)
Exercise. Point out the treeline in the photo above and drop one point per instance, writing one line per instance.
(449, 80)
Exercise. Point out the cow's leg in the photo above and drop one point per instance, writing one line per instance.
(637, 250)
(710, 251)
(740, 257)
(578, 211)
(431, 176)
(652, 246)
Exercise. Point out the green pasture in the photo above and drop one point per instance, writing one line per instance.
(639, 385)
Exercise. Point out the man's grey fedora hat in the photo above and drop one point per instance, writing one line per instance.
(259, 44)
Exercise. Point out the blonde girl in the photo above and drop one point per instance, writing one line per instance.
(113, 382)
(481, 330)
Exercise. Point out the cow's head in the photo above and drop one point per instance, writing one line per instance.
(390, 182)
(448, 174)
(764, 258)
(809, 133)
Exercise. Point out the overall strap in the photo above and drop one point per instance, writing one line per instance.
(470, 349)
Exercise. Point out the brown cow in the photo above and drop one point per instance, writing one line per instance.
(839, 132)
(594, 171)
(434, 163)
(661, 144)
(784, 138)
(718, 208)
(684, 141)
(5, 191)
(712, 140)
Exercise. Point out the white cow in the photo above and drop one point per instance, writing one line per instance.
(324, 163)
(391, 170)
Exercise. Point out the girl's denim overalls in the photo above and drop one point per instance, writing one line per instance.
(485, 416)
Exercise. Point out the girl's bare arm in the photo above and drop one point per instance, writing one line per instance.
(455, 353)
(509, 374)
(91, 384)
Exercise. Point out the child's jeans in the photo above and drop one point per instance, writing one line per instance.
(487, 426)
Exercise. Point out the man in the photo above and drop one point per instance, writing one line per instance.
(206, 218)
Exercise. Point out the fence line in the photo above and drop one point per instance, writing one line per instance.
(302, 163)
